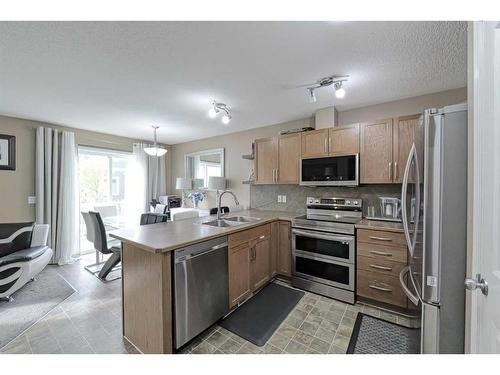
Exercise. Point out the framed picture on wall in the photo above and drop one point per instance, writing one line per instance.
(7, 152)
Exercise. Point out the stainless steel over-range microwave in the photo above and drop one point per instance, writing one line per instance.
(330, 171)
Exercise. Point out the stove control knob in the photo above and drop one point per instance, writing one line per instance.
(355, 203)
(348, 202)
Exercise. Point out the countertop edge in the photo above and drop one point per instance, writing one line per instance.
(385, 226)
(230, 231)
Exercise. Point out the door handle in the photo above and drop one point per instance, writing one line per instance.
(381, 253)
(380, 238)
(478, 282)
(380, 288)
(376, 266)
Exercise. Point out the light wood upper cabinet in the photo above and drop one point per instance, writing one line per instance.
(403, 137)
(315, 143)
(288, 159)
(284, 249)
(277, 159)
(239, 273)
(260, 269)
(266, 151)
(384, 149)
(376, 152)
(344, 140)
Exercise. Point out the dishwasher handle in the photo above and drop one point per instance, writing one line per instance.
(196, 255)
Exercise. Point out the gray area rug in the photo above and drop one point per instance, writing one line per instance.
(375, 336)
(31, 303)
(257, 319)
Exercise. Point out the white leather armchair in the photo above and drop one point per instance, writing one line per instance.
(20, 263)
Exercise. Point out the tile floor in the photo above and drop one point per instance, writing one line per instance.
(317, 325)
(90, 322)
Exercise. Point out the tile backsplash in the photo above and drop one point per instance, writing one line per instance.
(266, 196)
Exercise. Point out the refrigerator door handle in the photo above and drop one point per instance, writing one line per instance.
(406, 271)
(404, 191)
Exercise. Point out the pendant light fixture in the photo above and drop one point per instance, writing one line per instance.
(155, 150)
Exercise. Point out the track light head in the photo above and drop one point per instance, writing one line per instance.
(339, 90)
(312, 96)
(226, 119)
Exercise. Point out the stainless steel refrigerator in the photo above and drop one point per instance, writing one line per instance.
(434, 212)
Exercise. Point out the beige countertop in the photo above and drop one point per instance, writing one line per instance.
(388, 226)
(164, 237)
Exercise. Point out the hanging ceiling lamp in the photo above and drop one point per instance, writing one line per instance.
(155, 150)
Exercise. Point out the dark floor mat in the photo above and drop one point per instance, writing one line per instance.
(375, 336)
(257, 319)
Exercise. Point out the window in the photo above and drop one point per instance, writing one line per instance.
(102, 187)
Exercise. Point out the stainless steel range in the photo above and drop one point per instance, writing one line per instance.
(324, 247)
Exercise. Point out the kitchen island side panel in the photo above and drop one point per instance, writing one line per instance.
(147, 302)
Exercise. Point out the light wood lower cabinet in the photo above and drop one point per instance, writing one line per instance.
(259, 264)
(273, 251)
(239, 273)
(381, 256)
(284, 248)
(249, 262)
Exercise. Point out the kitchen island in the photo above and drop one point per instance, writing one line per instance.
(147, 272)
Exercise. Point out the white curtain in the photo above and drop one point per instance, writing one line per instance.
(57, 191)
(145, 180)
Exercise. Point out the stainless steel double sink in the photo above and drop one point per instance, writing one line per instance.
(231, 221)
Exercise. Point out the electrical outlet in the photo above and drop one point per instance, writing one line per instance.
(31, 200)
(279, 199)
(283, 198)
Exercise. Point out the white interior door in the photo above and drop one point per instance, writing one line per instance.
(485, 309)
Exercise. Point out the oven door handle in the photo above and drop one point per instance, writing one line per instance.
(324, 237)
(319, 258)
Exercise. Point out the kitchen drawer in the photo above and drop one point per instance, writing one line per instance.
(382, 288)
(381, 237)
(249, 234)
(382, 252)
(383, 266)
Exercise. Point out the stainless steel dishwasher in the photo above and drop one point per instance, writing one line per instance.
(201, 288)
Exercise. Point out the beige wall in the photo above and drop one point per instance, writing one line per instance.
(236, 144)
(236, 168)
(403, 107)
(16, 186)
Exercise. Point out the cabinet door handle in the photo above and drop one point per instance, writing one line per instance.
(376, 266)
(330, 144)
(396, 170)
(262, 237)
(326, 145)
(380, 288)
(381, 238)
(381, 253)
(277, 174)
(390, 170)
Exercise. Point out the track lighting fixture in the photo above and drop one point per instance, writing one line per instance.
(336, 81)
(220, 107)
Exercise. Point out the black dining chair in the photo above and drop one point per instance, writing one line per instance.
(101, 245)
(224, 210)
(153, 218)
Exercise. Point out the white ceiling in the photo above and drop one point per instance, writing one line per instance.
(123, 77)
